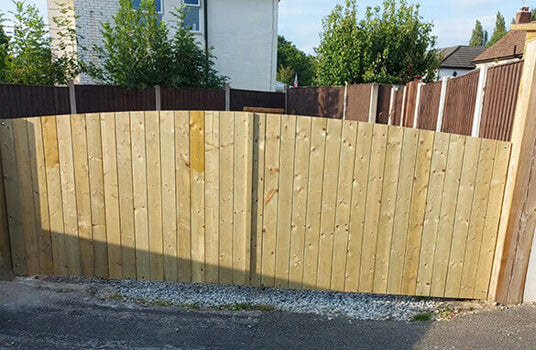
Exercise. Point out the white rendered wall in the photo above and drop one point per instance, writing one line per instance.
(448, 72)
(530, 283)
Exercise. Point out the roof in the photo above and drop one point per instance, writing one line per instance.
(460, 57)
(509, 46)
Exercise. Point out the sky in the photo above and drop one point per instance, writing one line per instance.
(300, 21)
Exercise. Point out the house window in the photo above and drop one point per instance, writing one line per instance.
(192, 17)
(157, 4)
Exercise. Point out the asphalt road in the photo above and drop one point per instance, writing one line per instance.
(32, 317)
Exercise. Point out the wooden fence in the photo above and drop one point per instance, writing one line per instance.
(253, 199)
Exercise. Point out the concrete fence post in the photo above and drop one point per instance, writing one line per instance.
(417, 106)
(227, 97)
(442, 98)
(157, 98)
(373, 106)
(403, 109)
(72, 96)
(394, 89)
(479, 104)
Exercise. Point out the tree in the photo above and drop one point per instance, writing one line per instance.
(499, 31)
(137, 52)
(292, 61)
(4, 47)
(390, 45)
(479, 37)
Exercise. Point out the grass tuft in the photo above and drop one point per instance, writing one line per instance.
(422, 317)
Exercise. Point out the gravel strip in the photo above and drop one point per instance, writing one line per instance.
(355, 306)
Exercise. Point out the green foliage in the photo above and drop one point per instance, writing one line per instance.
(4, 49)
(138, 53)
(390, 45)
(291, 59)
(479, 37)
(422, 317)
(499, 31)
(30, 58)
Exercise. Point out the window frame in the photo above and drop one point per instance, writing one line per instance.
(199, 7)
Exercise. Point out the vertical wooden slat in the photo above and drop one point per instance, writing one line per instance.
(329, 202)
(463, 215)
(212, 195)
(83, 196)
(139, 188)
(169, 213)
(126, 195)
(418, 207)
(154, 194)
(358, 206)
(314, 201)
(111, 194)
(242, 197)
(258, 197)
(197, 178)
(477, 222)
(182, 163)
(13, 201)
(432, 213)
(96, 185)
(489, 239)
(68, 195)
(271, 199)
(343, 205)
(374, 195)
(226, 197)
(299, 201)
(40, 196)
(403, 208)
(23, 168)
(284, 216)
(388, 206)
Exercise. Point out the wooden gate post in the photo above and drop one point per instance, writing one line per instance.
(6, 264)
(518, 217)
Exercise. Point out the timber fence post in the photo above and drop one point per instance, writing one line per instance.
(518, 217)
(6, 263)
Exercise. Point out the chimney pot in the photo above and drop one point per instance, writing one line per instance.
(523, 16)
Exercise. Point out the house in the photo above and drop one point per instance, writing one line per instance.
(511, 46)
(243, 33)
(458, 60)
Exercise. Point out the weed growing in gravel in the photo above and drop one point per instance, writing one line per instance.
(163, 303)
(422, 317)
(446, 312)
(117, 296)
(245, 307)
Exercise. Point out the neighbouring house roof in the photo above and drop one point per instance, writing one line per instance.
(460, 57)
(508, 47)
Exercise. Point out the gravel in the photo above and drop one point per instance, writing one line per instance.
(356, 306)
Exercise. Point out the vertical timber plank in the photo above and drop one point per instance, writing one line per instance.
(374, 200)
(226, 197)
(126, 195)
(299, 201)
(139, 188)
(388, 207)
(96, 185)
(258, 197)
(197, 178)
(343, 205)
(403, 209)
(271, 199)
(182, 163)
(358, 206)
(111, 194)
(169, 212)
(433, 213)
(284, 216)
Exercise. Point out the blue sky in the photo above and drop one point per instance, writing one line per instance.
(301, 20)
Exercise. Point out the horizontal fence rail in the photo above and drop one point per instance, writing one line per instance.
(253, 199)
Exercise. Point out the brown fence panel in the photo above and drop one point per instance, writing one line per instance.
(27, 101)
(384, 100)
(500, 101)
(192, 99)
(99, 98)
(318, 101)
(409, 104)
(247, 98)
(429, 106)
(460, 104)
(358, 102)
(397, 105)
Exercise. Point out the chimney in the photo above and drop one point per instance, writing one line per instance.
(523, 15)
